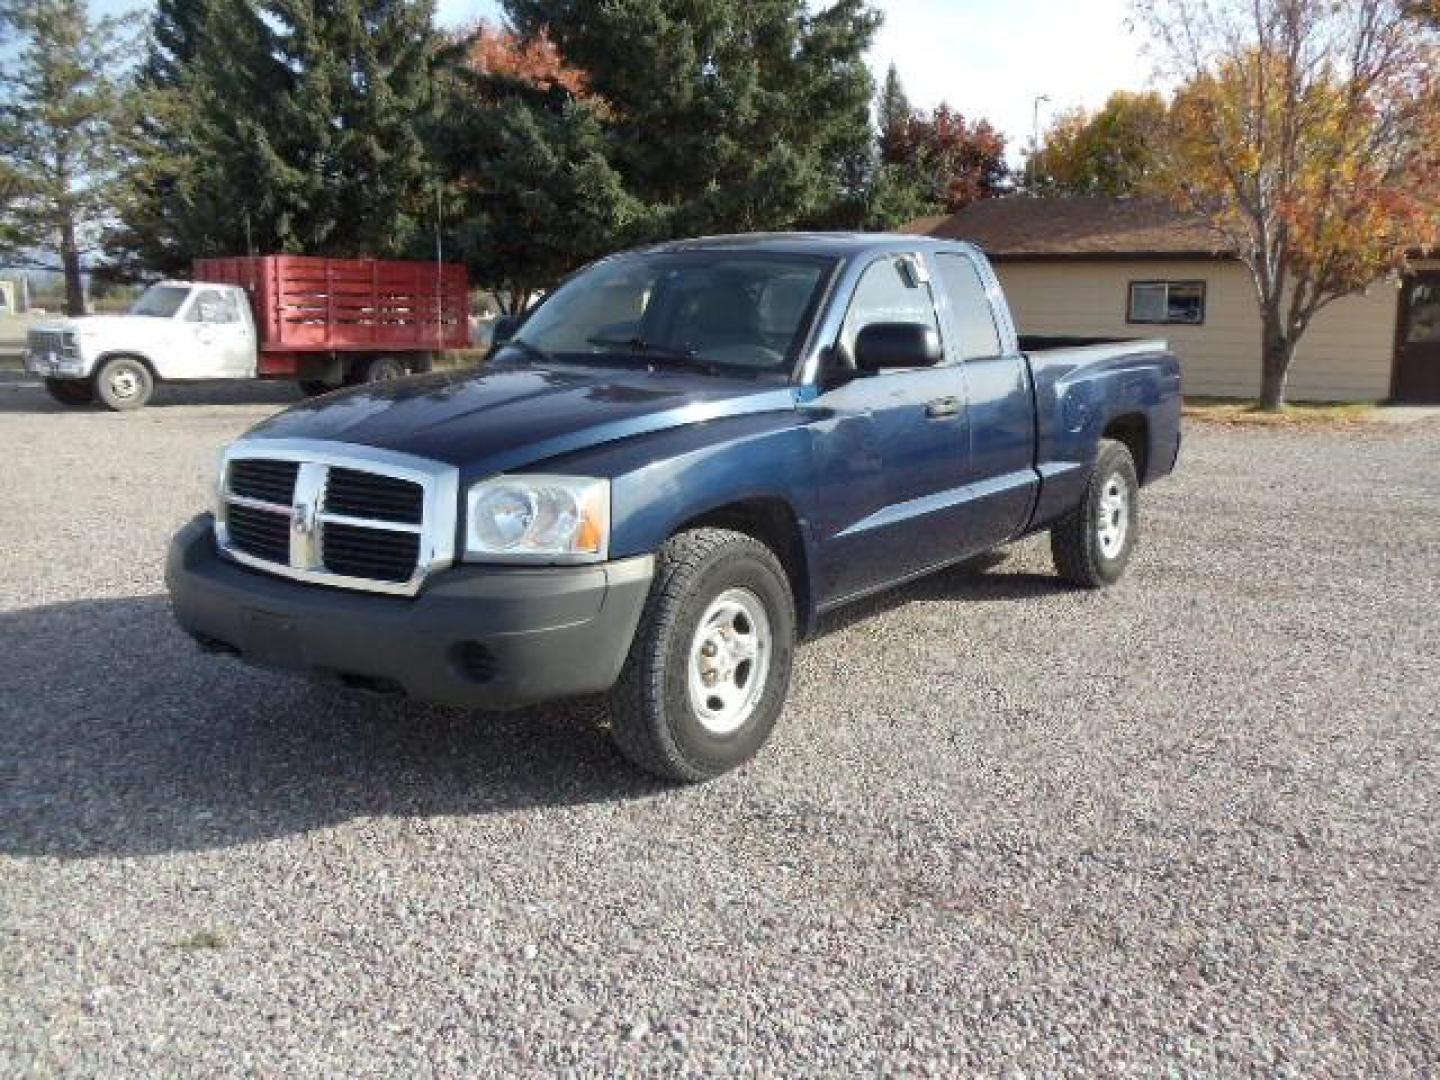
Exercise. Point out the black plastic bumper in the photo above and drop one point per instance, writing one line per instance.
(483, 637)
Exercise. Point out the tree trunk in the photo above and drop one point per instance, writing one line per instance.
(518, 300)
(70, 260)
(1277, 352)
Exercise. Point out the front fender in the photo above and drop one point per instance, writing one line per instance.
(662, 481)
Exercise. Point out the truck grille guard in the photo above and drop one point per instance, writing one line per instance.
(352, 517)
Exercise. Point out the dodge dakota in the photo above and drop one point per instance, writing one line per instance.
(663, 478)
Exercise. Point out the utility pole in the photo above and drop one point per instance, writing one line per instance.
(1040, 99)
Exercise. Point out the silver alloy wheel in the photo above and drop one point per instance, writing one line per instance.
(124, 381)
(1112, 522)
(729, 661)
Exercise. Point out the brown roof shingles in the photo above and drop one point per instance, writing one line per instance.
(1025, 228)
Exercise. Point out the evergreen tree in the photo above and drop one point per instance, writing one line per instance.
(284, 126)
(726, 114)
(899, 190)
(59, 104)
(893, 115)
(523, 147)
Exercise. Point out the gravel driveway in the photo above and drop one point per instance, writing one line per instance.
(1188, 825)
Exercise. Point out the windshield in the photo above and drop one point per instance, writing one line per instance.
(160, 301)
(744, 311)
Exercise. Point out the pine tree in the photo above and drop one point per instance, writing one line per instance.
(59, 108)
(893, 116)
(524, 149)
(284, 126)
(728, 114)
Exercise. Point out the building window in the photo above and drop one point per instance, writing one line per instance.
(1167, 302)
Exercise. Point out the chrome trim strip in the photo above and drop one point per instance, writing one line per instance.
(259, 504)
(378, 524)
(439, 482)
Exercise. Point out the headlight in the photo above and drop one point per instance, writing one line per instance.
(538, 519)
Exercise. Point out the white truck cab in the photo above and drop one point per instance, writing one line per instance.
(176, 330)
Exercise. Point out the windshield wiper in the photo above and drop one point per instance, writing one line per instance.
(671, 354)
(644, 348)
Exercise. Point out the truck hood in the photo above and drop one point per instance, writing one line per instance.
(111, 332)
(89, 324)
(510, 417)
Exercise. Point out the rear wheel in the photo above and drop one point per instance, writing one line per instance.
(124, 383)
(70, 391)
(1093, 546)
(710, 665)
(383, 369)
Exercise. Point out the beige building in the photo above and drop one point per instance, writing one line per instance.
(1133, 268)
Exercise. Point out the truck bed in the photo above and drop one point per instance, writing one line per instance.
(311, 304)
(1080, 383)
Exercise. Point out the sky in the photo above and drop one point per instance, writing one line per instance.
(986, 58)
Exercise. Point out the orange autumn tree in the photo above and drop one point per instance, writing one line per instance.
(1307, 134)
(500, 52)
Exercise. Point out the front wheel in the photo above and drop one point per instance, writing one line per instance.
(70, 391)
(124, 383)
(1093, 545)
(709, 668)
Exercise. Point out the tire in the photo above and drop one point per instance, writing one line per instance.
(1093, 545)
(314, 387)
(123, 383)
(383, 369)
(662, 715)
(70, 391)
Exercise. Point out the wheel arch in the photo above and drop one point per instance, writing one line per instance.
(127, 354)
(774, 522)
(1132, 429)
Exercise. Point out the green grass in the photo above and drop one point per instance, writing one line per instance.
(1248, 411)
(202, 939)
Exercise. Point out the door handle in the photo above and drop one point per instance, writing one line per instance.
(942, 408)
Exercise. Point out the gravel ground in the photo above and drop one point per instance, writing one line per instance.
(1187, 826)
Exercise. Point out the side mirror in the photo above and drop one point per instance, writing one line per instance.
(897, 345)
(504, 329)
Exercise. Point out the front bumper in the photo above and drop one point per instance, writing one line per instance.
(56, 367)
(475, 636)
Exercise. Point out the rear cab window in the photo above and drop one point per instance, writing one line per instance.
(977, 336)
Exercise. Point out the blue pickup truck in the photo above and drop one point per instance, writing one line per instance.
(662, 479)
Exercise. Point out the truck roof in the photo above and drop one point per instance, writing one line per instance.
(833, 244)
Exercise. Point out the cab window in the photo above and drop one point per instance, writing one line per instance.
(969, 307)
(212, 306)
(892, 290)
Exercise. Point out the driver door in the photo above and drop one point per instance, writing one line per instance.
(894, 449)
(223, 341)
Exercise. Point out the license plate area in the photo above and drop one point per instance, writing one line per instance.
(272, 640)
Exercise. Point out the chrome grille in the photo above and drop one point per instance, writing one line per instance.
(334, 514)
(58, 342)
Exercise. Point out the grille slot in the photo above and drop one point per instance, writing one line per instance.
(381, 554)
(264, 478)
(265, 534)
(374, 497)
